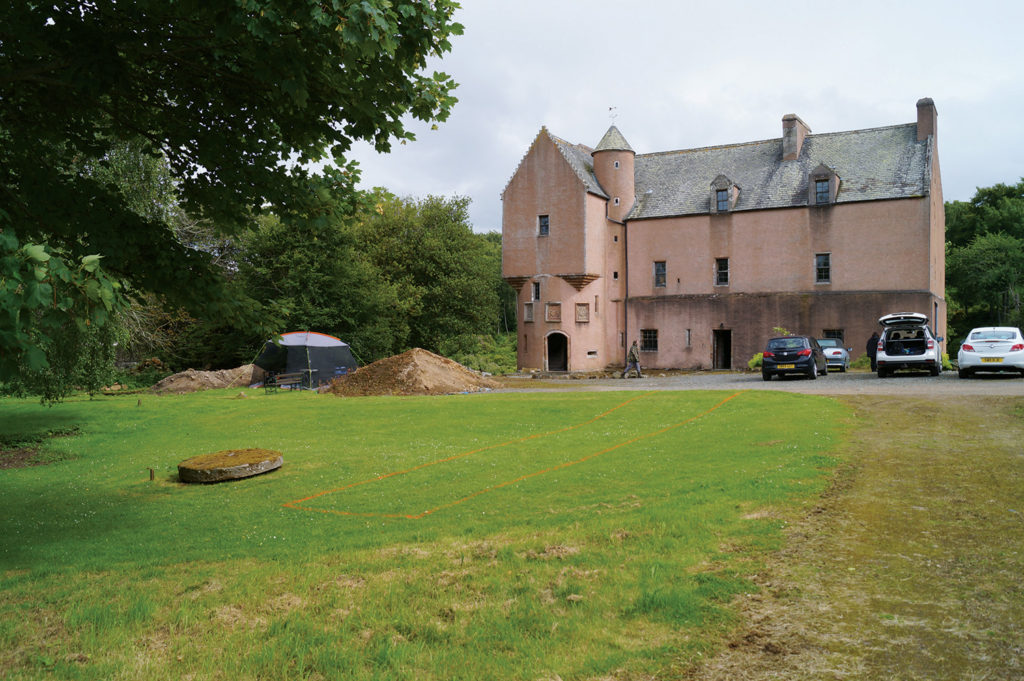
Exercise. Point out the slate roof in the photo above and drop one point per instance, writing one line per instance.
(872, 164)
(580, 158)
(613, 141)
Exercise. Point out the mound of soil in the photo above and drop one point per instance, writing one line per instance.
(414, 372)
(190, 380)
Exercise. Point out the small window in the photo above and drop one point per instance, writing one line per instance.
(648, 340)
(688, 338)
(582, 312)
(832, 333)
(616, 201)
(722, 199)
(536, 291)
(527, 312)
(615, 276)
(553, 312)
(616, 164)
(721, 271)
(821, 193)
(543, 226)
(615, 238)
(823, 268)
(659, 274)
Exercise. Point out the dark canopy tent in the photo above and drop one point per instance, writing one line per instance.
(317, 356)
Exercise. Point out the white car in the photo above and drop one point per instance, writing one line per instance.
(991, 348)
(907, 343)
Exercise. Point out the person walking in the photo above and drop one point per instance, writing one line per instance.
(633, 361)
(872, 349)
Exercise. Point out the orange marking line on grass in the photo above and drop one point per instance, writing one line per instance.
(572, 463)
(297, 502)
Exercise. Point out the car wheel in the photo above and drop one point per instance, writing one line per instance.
(765, 376)
(883, 373)
(963, 373)
(842, 369)
(934, 371)
(813, 373)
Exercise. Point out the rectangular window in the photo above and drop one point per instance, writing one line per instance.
(659, 274)
(821, 191)
(823, 268)
(615, 276)
(722, 199)
(527, 312)
(648, 340)
(721, 271)
(553, 312)
(543, 227)
(536, 291)
(582, 312)
(832, 333)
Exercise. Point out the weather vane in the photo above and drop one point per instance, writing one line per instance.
(611, 112)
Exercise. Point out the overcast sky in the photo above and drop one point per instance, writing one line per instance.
(683, 74)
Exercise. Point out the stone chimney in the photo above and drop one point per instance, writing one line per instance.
(793, 132)
(927, 119)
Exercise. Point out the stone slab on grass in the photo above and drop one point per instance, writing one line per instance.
(230, 464)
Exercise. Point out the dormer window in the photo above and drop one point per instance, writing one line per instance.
(822, 186)
(724, 195)
(821, 192)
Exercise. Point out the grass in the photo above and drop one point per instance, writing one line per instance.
(910, 566)
(512, 536)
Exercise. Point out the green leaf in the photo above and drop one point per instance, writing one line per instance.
(91, 263)
(36, 252)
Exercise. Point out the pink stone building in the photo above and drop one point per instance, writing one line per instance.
(698, 254)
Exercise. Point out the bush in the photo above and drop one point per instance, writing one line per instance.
(862, 362)
(755, 361)
(492, 354)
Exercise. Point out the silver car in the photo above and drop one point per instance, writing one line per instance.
(991, 348)
(836, 356)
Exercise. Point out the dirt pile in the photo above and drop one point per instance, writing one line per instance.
(190, 380)
(414, 372)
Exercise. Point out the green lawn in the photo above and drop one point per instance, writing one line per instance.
(508, 536)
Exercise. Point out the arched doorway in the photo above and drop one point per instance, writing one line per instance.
(558, 352)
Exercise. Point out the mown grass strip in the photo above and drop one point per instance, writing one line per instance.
(620, 568)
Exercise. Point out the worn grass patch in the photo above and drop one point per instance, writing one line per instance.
(910, 567)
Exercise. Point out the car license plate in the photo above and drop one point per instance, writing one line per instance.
(786, 366)
(991, 359)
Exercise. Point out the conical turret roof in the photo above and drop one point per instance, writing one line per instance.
(613, 141)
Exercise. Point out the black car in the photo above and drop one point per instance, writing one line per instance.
(793, 355)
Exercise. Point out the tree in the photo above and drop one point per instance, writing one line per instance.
(237, 97)
(318, 279)
(428, 250)
(985, 259)
(505, 322)
(995, 209)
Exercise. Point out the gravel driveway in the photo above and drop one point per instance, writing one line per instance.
(851, 383)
